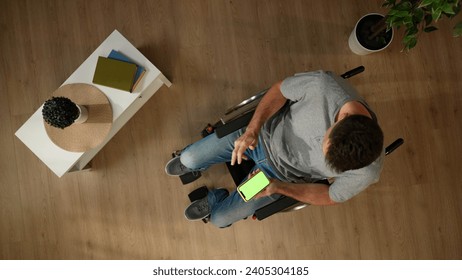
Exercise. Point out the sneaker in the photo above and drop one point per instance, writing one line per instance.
(198, 210)
(174, 167)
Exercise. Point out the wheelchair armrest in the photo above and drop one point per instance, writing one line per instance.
(281, 204)
(234, 125)
(393, 146)
(353, 72)
(277, 206)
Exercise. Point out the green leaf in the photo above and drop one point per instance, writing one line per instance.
(425, 3)
(457, 8)
(403, 14)
(410, 44)
(404, 5)
(398, 13)
(430, 29)
(436, 14)
(413, 30)
(419, 15)
(428, 19)
(448, 9)
(408, 23)
(389, 3)
(382, 40)
(457, 31)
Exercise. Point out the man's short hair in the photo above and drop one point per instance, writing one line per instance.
(355, 142)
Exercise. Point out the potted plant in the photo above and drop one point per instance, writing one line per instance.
(370, 34)
(61, 112)
(416, 16)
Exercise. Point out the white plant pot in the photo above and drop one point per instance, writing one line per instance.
(83, 114)
(357, 47)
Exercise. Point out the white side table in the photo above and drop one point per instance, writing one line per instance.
(124, 106)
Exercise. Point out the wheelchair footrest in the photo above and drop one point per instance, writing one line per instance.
(190, 177)
(198, 193)
(234, 125)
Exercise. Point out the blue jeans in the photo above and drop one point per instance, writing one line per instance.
(225, 210)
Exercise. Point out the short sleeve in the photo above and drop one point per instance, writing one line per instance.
(297, 87)
(352, 182)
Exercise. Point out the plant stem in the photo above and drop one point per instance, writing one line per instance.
(378, 28)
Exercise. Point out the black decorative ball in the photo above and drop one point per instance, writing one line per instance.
(60, 112)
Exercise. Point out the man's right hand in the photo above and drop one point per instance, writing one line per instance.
(248, 140)
(268, 106)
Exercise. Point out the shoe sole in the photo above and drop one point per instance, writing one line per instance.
(196, 219)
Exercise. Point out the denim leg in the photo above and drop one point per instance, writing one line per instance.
(261, 161)
(226, 211)
(208, 151)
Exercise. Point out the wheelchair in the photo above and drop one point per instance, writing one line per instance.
(237, 117)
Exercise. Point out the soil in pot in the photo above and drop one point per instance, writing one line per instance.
(364, 31)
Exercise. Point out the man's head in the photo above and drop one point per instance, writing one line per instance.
(352, 143)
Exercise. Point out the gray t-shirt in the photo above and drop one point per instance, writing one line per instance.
(293, 137)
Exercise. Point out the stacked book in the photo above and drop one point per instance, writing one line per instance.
(118, 71)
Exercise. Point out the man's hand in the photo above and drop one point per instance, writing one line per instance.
(248, 140)
(268, 106)
(269, 190)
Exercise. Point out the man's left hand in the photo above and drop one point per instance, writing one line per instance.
(269, 190)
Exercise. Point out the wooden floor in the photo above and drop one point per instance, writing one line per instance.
(216, 53)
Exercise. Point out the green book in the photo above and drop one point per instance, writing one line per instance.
(114, 73)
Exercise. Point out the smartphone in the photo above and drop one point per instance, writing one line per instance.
(252, 186)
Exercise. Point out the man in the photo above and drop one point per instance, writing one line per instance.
(309, 127)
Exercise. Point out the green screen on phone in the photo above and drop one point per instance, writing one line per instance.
(254, 185)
